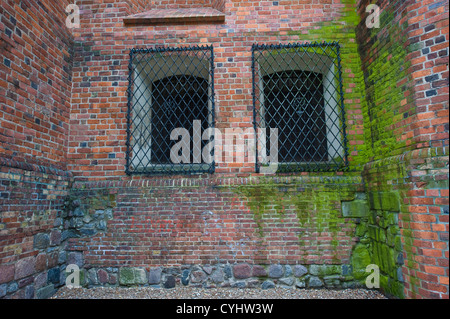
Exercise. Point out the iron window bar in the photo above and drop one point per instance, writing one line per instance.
(297, 89)
(169, 88)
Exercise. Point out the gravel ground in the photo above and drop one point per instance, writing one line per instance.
(214, 293)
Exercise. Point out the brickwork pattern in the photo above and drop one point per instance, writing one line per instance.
(35, 82)
(407, 127)
(31, 229)
(35, 88)
(98, 120)
(160, 223)
(63, 105)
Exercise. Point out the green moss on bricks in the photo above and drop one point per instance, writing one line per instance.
(359, 261)
(101, 200)
(361, 229)
(386, 201)
(384, 96)
(356, 208)
(261, 198)
(317, 206)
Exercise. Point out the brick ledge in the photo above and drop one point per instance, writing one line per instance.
(176, 16)
(289, 181)
(34, 167)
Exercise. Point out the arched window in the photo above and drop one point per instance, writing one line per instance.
(177, 101)
(297, 90)
(294, 104)
(170, 103)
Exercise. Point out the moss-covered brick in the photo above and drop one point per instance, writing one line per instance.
(359, 261)
(356, 208)
(386, 201)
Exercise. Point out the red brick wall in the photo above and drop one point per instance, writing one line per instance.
(99, 100)
(31, 229)
(177, 221)
(425, 227)
(35, 90)
(175, 4)
(429, 68)
(63, 108)
(218, 4)
(164, 222)
(416, 31)
(99, 122)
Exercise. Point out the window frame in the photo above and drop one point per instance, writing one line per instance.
(206, 54)
(334, 71)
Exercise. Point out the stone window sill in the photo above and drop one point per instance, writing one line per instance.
(176, 16)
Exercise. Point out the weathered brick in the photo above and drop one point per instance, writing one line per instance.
(391, 112)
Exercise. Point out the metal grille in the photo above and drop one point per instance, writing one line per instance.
(297, 89)
(170, 104)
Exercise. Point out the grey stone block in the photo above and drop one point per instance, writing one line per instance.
(300, 270)
(198, 276)
(267, 284)
(45, 292)
(3, 290)
(29, 292)
(185, 277)
(276, 271)
(53, 275)
(315, 282)
(40, 280)
(154, 276)
(170, 282)
(25, 267)
(217, 276)
(300, 283)
(78, 212)
(140, 276)
(92, 276)
(12, 287)
(75, 258)
(289, 281)
(287, 271)
(239, 284)
(208, 269)
(228, 271)
(41, 241)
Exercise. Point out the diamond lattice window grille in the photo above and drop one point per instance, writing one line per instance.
(170, 93)
(297, 89)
